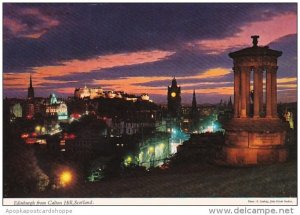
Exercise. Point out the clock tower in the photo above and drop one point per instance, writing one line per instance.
(174, 99)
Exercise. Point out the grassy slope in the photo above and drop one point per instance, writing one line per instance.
(278, 180)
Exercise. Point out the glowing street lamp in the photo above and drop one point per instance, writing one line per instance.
(128, 161)
(151, 150)
(65, 178)
(43, 129)
(38, 128)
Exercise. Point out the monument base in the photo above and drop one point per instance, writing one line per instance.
(251, 141)
(253, 156)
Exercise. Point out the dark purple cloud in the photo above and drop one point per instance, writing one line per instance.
(87, 30)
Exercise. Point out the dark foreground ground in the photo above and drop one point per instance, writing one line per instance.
(205, 180)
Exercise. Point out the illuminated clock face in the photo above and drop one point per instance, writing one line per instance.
(173, 94)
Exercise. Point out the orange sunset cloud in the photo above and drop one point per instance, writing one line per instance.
(269, 31)
(20, 81)
(101, 62)
(135, 84)
(286, 80)
(65, 68)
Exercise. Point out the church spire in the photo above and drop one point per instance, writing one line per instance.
(30, 85)
(194, 102)
(230, 103)
(194, 114)
(30, 89)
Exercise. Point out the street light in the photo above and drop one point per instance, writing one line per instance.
(65, 178)
(38, 128)
(151, 150)
(128, 161)
(43, 129)
(161, 146)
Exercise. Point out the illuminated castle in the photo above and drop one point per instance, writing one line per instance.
(98, 92)
(90, 93)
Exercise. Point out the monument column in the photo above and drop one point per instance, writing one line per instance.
(260, 71)
(248, 72)
(244, 92)
(237, 80)
(269, 93)
(274, 91)
(256, 102)
(254, 140)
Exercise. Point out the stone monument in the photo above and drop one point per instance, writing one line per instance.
(255, 136)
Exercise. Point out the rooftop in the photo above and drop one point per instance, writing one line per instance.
(255, 50)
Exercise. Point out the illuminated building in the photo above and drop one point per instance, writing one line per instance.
(57, 108)
(16, 110)
(62, 112)
(29, 110)
(145, 97)
(90, 93)
(94, 93)
(133, 99)
(119, 95)
(174, 99)
(53, 99)
(256, 138)
(110, 94)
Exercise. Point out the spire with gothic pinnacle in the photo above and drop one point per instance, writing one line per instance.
(194, 102)
(30, 94)
(30, 85)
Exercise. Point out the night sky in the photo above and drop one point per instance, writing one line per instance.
(138, 48)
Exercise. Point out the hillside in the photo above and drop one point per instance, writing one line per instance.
(205, 180)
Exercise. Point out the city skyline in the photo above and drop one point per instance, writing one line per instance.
(189, 101)
(138, 48)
